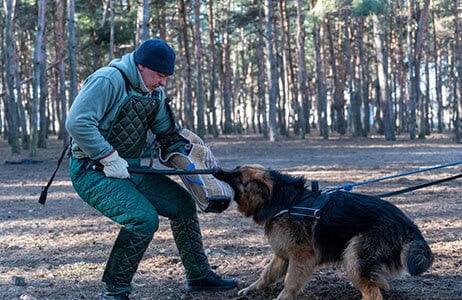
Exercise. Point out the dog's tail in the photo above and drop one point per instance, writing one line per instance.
(419, 256)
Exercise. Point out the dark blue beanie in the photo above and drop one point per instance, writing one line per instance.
(156, 55)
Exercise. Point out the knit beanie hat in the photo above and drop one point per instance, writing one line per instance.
(156, 55)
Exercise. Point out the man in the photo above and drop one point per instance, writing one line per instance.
(108, 122)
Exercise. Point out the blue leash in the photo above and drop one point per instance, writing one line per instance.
(349, 186)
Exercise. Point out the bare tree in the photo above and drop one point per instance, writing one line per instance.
(363, 82)
(419, 40)
(41, 76)
(143, 21)
(187, 89)
(320, 80)
(271, 71)
(71, 48)
(385, 98)
(59, 49)
(111, 30)
(338, 101)
(263, 124)
(438, 77)
(37, 86)
(11, 69)
(227, 73)
(457, 69)
(302, 95)
(213, 76)
(198, 54)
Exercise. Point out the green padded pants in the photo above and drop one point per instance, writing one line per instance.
(136, 203)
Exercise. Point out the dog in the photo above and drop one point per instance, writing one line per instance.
(372, 238)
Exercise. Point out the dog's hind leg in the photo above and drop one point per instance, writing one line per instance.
(299, 271)
(368, 286)
(273, 273)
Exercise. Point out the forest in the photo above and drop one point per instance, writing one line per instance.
(274, 68)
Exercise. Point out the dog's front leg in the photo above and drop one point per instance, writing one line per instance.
(298, 272)
(272, 273)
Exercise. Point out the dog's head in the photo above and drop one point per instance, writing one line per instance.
(260, 192)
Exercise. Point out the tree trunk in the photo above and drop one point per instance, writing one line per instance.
(419, 39)
(143, 21)
(262, 107)
(41, 64)
(37, 93)
(363, 88)
(61, 70)
(457, 68)
(187, 92)
(385, 99)
(438, 78)
(71, 49)
(355, 103)
(213, 129)
(271, 71)
(412, 85)
(301, 76)
(22, 117)
(198, 53)
(227, 74)
(320, 81)
(11, 69)
(425, 118)
(338, 101)
(111, 30)
(402, 81)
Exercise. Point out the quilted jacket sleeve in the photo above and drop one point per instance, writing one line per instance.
(91, 113)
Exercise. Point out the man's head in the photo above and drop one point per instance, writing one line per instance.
(156, 55)
(155, 60)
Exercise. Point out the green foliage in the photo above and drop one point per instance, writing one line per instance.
(444, 27)
(244, 19)
(26, 17)
(324, 7)
(363, 8)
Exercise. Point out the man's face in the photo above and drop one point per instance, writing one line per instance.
(152, 79)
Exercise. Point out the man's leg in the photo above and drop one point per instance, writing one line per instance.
(119, 200)
(173, 201)
(188, 240)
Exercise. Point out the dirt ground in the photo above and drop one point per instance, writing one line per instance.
(58, 251)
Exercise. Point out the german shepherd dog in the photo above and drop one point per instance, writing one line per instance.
(372, 238)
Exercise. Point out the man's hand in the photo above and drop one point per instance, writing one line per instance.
(115, 166)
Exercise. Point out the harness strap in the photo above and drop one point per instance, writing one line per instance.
(127, 82)
(309, 206)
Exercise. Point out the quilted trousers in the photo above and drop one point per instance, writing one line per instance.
(188, 240)
(126, 254)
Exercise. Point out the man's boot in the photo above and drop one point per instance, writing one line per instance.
(199, 276)
(126, 254)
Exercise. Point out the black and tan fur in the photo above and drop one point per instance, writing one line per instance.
(373, 239)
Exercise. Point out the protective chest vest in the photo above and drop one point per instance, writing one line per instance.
(129, 128)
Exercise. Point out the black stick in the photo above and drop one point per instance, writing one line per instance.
(147, 170)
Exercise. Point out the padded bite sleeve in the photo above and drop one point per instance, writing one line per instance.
(210, 194)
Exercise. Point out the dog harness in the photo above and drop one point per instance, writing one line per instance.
(309, 206)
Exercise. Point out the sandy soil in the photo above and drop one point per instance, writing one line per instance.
(58, 251)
